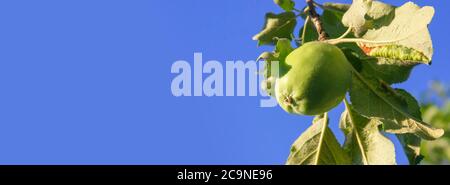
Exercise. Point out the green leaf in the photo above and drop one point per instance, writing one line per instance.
(363, 141)
(355, 15)
(276, 26)
(409, 30)
(282, 50)
(310, 33)
(387, 70)
(317, 146)
(286, 5)
(411, 146)
(436, 110)
(379, 10)
(410, 142)
(378, 14)
(377, 100)
(367, 14)
(354, 58)
(390, 62)
(339, 7)
(331, 22)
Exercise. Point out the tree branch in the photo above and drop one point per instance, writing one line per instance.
(315, 18)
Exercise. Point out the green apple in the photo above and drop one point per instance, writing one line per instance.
(318, 80)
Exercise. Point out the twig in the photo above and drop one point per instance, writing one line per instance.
(315, 18)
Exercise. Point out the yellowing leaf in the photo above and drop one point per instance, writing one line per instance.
(340, 7)
(395, 52)
(354, 17)
(409, 31)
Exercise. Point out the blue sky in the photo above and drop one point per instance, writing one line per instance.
(88, 82)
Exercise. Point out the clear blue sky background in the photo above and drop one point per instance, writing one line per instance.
(88, 82)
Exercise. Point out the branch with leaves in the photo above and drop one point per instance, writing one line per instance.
(381, 44)
(315, 18)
